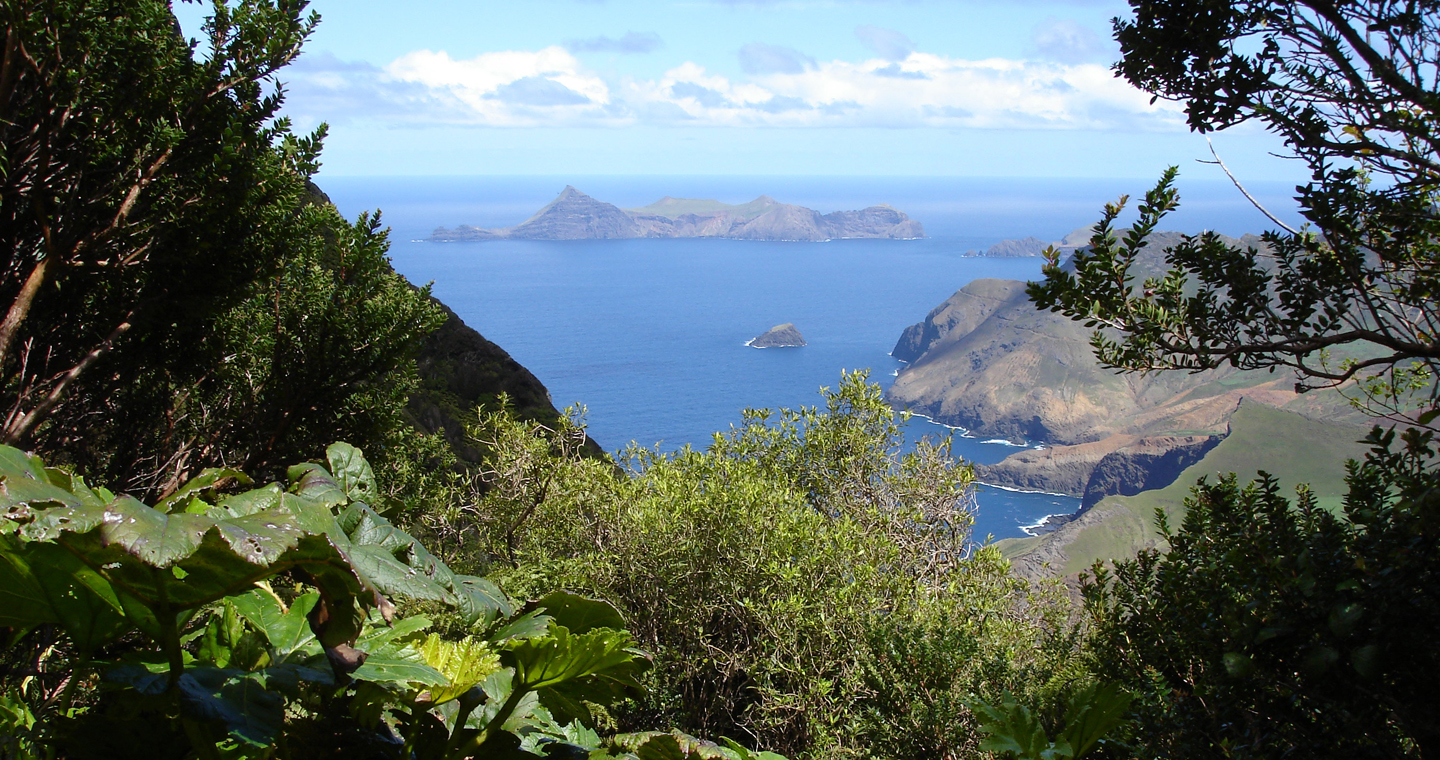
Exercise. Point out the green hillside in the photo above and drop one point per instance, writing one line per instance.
(1293, 448)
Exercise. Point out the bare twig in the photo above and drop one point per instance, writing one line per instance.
(1245, 192)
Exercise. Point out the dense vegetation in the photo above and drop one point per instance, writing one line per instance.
(1270, 627)
(184, 311)
(800, 582)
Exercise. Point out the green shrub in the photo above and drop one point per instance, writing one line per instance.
(260, 624)
(769, 573)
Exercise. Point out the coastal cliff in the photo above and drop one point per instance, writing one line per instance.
(988, 361)
(577, 216)
(1118, 465)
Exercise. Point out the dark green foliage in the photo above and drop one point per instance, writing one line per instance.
(1090, 714)
(261, 625)
(1271, 628)
(179, 295)
(1353, 296)
(139, 186)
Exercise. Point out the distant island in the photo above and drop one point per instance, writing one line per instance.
(779, 336)
(576, 216)
(1033, 246)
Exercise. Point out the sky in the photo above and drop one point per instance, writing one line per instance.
(771, 87)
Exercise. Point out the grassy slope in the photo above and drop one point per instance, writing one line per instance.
(1295, 449)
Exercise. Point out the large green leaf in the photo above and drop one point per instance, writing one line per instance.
(479, 601)
(256, 500)
(654, 745)
(561, 656)
(20, 493)
(154, 537)
(351, 472)
(288, 631)
(1093, 712)
(43, 583)
(208, 480)
(399, 665)
(249, 704)
(464, 664)
(579, 614)
(314, 483)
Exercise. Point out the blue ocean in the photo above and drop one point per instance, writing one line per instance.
(649, 335)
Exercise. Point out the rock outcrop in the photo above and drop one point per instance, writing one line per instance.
(1118, 465)
(577, 216)
(1024, 247)
(779, 336)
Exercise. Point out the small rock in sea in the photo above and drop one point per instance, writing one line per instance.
(779, 336)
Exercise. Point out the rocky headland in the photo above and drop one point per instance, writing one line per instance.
(1118, 465)
(576, 216)
(779, 336)
(988, 361)
(1031, 247)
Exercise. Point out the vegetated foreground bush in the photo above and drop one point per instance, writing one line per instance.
(801, 582)
(261, 625)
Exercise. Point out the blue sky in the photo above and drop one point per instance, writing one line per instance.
(788, 87)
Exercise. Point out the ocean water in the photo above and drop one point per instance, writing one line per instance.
(649, 335)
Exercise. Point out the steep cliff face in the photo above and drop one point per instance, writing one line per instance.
(1145, 465)
(576, 216)
(1118, 465)
(1023, 247)
(959, 316)
(1294, 448)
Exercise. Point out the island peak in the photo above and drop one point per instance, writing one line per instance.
(573, 215)
(779, 336)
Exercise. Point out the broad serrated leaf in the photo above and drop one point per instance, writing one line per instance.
(16, 462)
(287, 630)
(464, 663)
(43, 583)
(398, 665)
(250, 502)
(654, 745)
(19, 492)
(312, 482)
(532, 624)
(381, 569)
(351, 472)
(479, 601)
(561, 656)
(157, 539)
(263, 537)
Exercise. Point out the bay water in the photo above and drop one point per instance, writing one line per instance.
(649, 335)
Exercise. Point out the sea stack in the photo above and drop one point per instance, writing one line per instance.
(779, 336)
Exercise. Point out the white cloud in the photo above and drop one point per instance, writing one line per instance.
(551, 87)
(508, 88)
